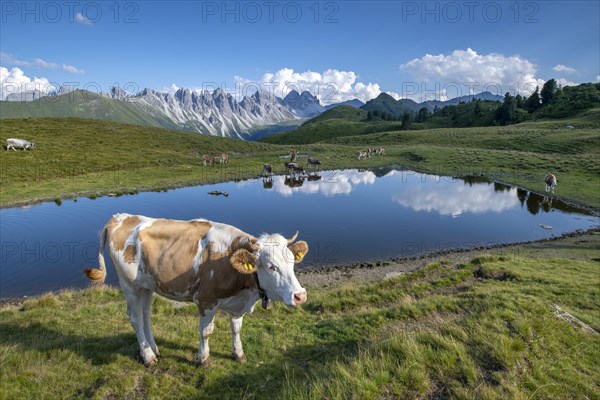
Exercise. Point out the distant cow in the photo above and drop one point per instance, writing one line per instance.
(362, 155)
(214, 265)
(267, 170)
(294, 168)
(208, 160)
(14, 143)
(293, 155)
(224, 159)
(551, 182)
(381, 151)
(314, 163)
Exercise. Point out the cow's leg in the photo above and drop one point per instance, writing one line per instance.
(146, 310)
(236, 341)
(136, 316)
(207, 327)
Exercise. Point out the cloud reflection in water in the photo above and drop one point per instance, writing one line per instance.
(454, 200)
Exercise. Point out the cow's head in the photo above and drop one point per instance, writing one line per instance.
(273, 257)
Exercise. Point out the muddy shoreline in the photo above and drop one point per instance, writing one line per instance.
(367, 272)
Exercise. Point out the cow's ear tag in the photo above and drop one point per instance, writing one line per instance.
(243, 261)
(299, 250)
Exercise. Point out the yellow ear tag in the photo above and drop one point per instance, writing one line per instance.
(299, 255)
(248, 266)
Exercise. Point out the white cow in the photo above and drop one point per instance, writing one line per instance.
(14, 143)
(214, 265)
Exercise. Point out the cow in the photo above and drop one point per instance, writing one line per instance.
(362, 155)
(313, 163)
(207, 160)
(551, 182)
(14, 143)
(224, 158)
(214, 265)
(293, 155)
(267, 170)
(381, 151)
(294, 169)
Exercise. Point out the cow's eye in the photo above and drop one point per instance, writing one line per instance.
(272, 267)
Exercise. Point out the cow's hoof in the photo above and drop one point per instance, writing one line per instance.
(150, 363)
(241, 359)
(204, 364)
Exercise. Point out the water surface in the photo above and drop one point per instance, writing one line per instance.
(345, 216)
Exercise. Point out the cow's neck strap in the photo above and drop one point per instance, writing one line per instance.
(261, 292)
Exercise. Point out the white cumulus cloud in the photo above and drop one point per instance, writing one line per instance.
(82, 19)
(9, 59)
(72, 69)
(565, 82)
(464, 72)
(15, 81)
(329, 86)
(563, 68)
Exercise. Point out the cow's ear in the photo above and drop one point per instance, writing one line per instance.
(299, 250)
(243, 261)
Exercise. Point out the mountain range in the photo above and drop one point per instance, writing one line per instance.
(386, 103)
(216, 113)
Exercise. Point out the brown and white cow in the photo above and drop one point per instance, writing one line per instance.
(551, 182)
(214, 265)
(224, 158)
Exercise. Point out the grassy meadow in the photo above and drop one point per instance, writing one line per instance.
(484, 328)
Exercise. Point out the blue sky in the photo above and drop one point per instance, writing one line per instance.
(344, 48)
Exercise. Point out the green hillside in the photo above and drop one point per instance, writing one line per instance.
(337, 122)
(386, 103)
(82, 104)
(346, 113)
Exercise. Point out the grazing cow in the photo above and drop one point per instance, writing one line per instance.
(551, 182)
(214, 265)
(267, 170)
(15, 144)
(314, 163)
(207, 160)
(224, 159)
(294, 169)
(381, 151)
(293, 155)
(362, 155)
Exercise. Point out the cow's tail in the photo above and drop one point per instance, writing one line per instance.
(98, 275)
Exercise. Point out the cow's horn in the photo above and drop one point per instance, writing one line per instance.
(293, 238)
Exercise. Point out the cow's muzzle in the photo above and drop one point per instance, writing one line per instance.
(300, 298)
